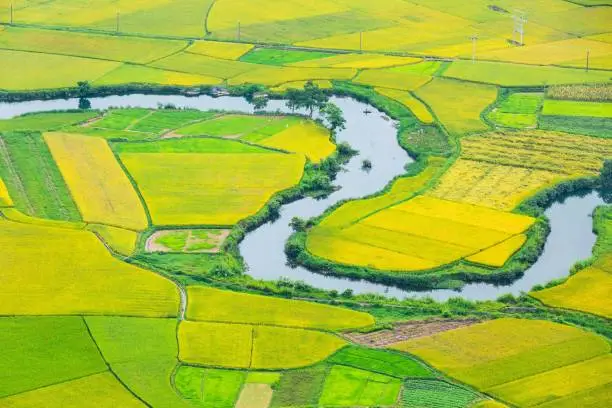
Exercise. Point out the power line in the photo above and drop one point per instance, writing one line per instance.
(519, 26)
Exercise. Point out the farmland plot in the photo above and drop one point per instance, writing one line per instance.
(209, 388)
(99, 186)
(131, 74)
(45, 121)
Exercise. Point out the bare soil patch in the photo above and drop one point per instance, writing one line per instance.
(406, 331)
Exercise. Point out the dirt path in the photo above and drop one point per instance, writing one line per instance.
(406, 331)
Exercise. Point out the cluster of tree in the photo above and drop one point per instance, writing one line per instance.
(312, 97)
(606, 181)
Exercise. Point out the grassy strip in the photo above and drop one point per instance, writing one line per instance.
(36, 183)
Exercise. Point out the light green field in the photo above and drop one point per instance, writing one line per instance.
(30, 360)
(278, 57)
(45, 121)
(209, 388)
(208, 304)
(518, 110)
(577, 108)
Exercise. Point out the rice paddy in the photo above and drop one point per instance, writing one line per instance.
(121, 229)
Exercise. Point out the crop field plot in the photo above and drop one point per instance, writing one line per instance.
(361, 61)
(217, 49)
(209, 388)
(407, 78)
(5, 198)
(255, 396)
(187, 240)
(131, 74)
(380, 361)
(96, 181)
(203, 65)
(498, 355)
(247, 127)
(132, 49)
(577, 108)
(208, 304)
(347, 386)
(270, 56)
(221, 189)
(96, 390)
(499, 170)
(142, 353)
(591, 93)
(307, 138)
(33, 179)
(31, 360)
(518, 110)
(80, 276)
(26, 70)
(258, 347)
(435, 394)
(45, 121)
(396, 238)
(274, 75)
(516, 75)
(405, 98)
(458, 113)
(122, 241)
(300, 387)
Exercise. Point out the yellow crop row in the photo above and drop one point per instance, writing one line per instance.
(257, 347)
(217, 49)
(321, 83)
(15, 215)
(214, 305)
(416, 106)
(203, 65)
(589, 290)
(211, 188)
(307, 138)
(5, 198)
(80, 276)
(559, 383)
(498, 352)
(393, 78)
(458, 112)
(497, 255)
(96, 181)
(98, 390)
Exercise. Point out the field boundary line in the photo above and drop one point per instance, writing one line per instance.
(110, 369)
(179, 51)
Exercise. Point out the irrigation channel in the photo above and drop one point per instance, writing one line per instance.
(374, 135)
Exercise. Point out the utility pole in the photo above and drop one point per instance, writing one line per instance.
(474, 39)
(587, 61)
(519, 26)
(11, 13)
(361, 41)
(238, 33)
(117, 22)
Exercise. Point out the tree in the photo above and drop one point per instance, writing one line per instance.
(310, 98)
(84, 103)
(260, 103)
(606, 180)
(83, 89)
(333, 115)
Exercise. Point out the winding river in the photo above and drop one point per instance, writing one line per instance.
(374, 135)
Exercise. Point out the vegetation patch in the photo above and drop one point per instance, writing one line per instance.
(517, 110)
(33, 179)
(380, 361)
(577, 108)
(45, 121)
(271, 56)
(300, 387)
(209, 304)
(435, 394)
(209, 388)
(187, 240)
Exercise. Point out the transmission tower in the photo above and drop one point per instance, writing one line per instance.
(238, 31)
(518, 34)
(474, 39)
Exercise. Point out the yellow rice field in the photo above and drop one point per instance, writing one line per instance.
(589, 290)
(458, 105)
(203, 65)
(257, 347)
(490, 354)
(5, 198)
(417, 234)
(497, 255)
(321, 83)
(26, 70)
(96, 181)
(307, 138)
(129, 74)
(214, 305)
(405, 98)
(214, 188)
(273, 75)
(558, 383)
(53, 271)
(407, 78)
(98, 390)
(500, 170)
(223, 50)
